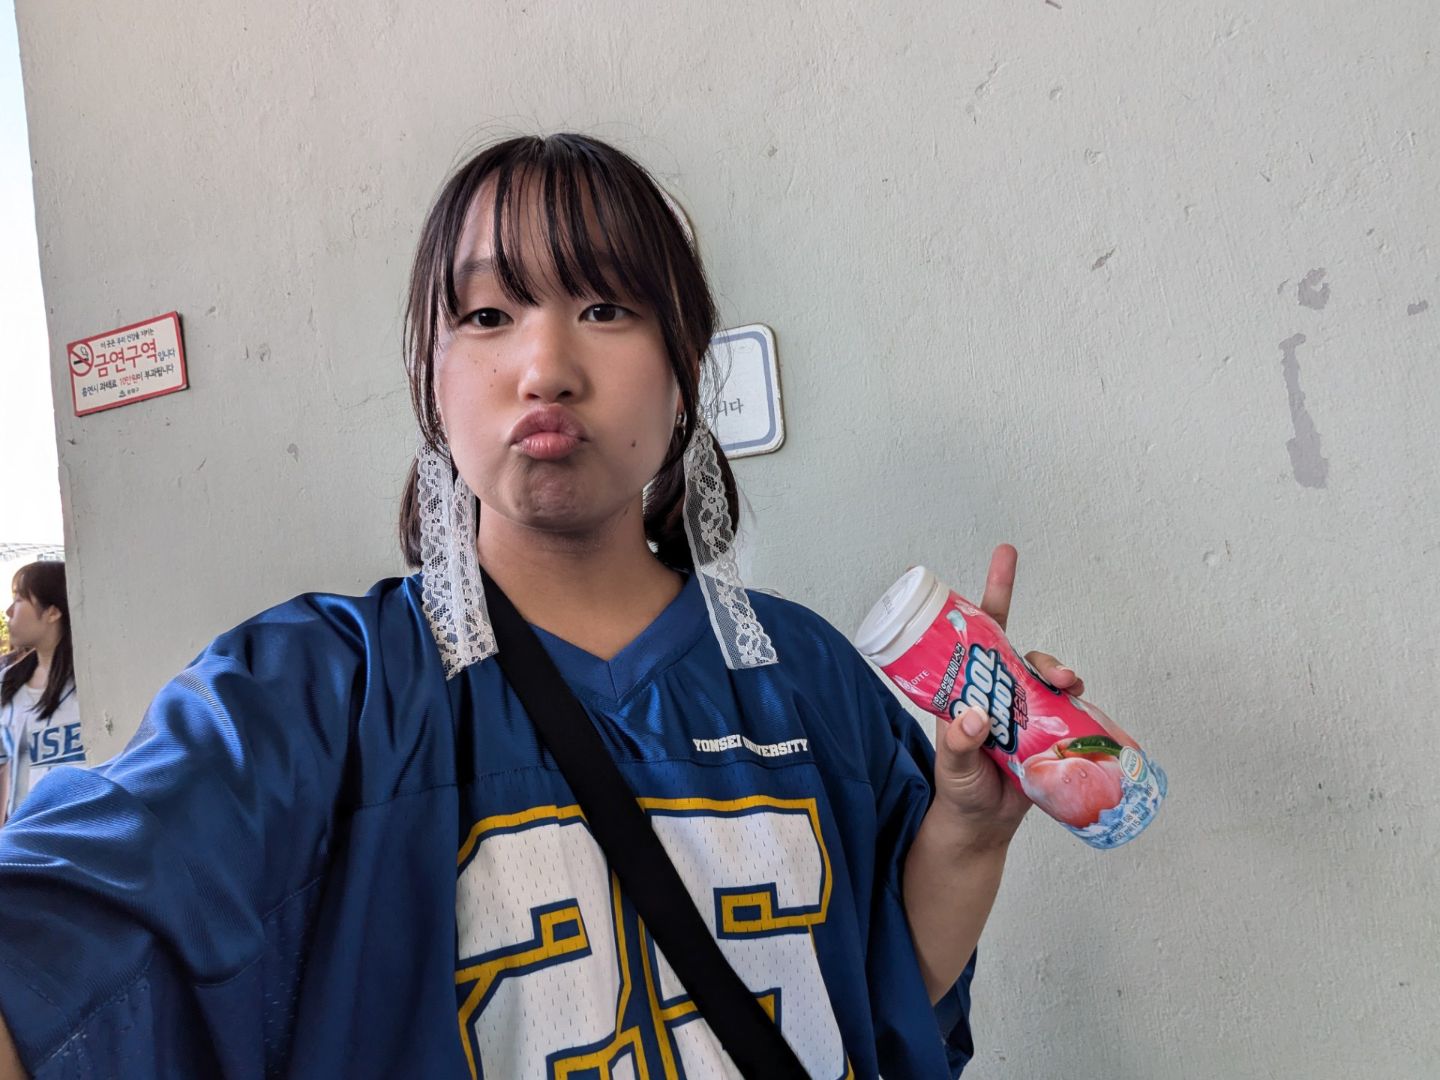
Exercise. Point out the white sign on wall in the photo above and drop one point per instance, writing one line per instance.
(745, 413)
(139, 361)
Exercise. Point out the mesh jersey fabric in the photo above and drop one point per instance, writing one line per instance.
(318, 857)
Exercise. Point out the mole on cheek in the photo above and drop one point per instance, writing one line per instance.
(633, 443)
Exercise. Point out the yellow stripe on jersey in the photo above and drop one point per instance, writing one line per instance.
(514, 821)
(486, 974)
(549, 946)
(728, 807)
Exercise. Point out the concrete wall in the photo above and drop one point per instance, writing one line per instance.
(1150, 290)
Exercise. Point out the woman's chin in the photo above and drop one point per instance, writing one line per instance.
(556, 499)
(560, 507)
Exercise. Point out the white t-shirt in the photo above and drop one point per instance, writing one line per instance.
(43, 743)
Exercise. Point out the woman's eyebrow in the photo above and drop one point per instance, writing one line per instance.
(475, 266)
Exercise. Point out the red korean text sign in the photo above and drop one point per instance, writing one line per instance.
(139, 361)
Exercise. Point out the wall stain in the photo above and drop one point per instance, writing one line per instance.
(1231, 31)
(1310, 296)
(1310, 467)
(1416, 309)
(973, 109)
(1103, 259)
(293, 451)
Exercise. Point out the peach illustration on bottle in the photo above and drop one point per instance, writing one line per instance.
(1069, 758)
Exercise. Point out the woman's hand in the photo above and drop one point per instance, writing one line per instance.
(954, 866)
(983, 807)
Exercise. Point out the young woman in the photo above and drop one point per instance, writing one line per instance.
(336, 846)
(39, 716)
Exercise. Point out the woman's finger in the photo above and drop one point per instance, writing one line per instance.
(1055, 673)
(1000, 584)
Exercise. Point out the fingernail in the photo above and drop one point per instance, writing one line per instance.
(1062, 670)
(973, 722)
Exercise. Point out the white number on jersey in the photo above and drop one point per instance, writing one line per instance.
(545, 976)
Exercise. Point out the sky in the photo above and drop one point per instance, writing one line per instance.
(30, 510)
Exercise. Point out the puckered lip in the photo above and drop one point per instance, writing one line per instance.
(547, 418)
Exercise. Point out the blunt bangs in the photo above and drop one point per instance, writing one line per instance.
(597, 235)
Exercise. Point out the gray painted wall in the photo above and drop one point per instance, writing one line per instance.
(1150, 290)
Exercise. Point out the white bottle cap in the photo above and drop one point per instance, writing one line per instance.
(901, 616)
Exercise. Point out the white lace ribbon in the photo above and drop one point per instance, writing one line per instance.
(451, 591)
(742, 639)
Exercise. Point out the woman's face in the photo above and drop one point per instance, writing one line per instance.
(557, 414)
(29, 624)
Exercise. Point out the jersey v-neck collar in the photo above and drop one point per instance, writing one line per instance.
(670, 634)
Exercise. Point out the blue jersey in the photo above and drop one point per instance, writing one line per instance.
(320, 858)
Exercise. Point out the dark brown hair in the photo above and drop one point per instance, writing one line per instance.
(43, 585)
(608, 231)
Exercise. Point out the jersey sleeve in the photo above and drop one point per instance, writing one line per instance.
(136, 898)
(898, 993)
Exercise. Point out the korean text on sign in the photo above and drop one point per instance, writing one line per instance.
(136, 362)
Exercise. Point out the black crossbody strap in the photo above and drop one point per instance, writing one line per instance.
(635, 853)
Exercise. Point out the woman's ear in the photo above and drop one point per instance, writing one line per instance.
(51, 614)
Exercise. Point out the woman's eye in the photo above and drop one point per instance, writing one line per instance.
(604, 313)
(487, 318)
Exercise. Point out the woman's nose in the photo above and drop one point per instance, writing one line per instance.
(552, 370)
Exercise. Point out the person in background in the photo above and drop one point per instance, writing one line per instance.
(39, 715)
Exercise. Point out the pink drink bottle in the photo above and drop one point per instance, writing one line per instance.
(1064, 753)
